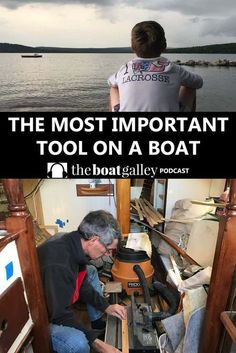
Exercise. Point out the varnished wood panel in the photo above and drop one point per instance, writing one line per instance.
(13, 314)
(20, 222)
(222, 274)
(123, 204)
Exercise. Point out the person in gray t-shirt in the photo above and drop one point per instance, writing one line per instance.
(150, 82)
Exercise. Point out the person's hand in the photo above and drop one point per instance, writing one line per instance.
(116, 310)
(102, 347)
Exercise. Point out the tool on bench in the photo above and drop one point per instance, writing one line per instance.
(162, 290)
(133, 269)
(142, 335)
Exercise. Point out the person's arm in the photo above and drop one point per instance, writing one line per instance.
(114, 99)
(187, 93)
(88, 294)
(187, 99)
(59, 289)
(114, 102)
(102, 347)
(189, 79)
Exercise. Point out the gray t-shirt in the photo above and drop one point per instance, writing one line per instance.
(152, 85)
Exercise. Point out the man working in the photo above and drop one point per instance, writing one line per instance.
(63, 263)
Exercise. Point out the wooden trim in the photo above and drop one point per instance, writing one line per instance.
(222, 274)
(2, 225)
(15, 318)
(25, 243)
(8, 239)
(213, 204)
(14, 193)
(140, 214)
(123, 204)
(99, 190)
(124, 336)
(228, 324)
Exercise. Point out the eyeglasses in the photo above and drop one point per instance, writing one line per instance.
(105, 246)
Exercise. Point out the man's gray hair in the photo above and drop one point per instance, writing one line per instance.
(102, 224)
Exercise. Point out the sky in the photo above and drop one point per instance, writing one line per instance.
(107, 23)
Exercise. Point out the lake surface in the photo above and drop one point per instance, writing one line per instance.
(78, 82)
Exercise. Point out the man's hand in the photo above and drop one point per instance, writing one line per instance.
(102, 347)
(116, 310)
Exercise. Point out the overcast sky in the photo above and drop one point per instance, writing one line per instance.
(107, 23)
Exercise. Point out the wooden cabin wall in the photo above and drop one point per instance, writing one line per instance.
(60, 202)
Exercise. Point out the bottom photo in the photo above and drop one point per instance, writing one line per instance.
(117, 265)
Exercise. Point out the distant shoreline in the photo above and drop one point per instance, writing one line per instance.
(226, 48)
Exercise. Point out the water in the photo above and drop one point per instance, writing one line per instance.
(78, 82)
